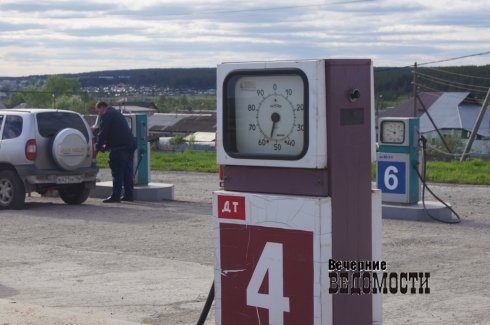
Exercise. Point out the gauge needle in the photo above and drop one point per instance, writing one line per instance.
(275, 118)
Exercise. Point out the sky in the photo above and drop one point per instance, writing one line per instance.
(54, 37)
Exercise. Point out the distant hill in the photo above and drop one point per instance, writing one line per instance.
(197, 78)
(393, 84)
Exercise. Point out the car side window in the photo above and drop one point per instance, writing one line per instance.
(13, 127)
(1, 124)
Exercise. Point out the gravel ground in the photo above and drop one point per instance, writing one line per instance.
(151, 262)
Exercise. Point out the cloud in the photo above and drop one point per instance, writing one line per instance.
(51, 37)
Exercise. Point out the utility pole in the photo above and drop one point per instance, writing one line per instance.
(476, 127)
(415, 89)
(380, 102)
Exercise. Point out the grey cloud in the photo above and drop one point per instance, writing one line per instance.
(7, 27)
(49, 6)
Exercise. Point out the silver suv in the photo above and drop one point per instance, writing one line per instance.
(45, 149)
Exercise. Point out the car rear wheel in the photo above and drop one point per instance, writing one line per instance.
(12, 191)
(74, 194)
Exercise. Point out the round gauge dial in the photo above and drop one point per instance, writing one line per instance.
(392, 131)
(265, 114)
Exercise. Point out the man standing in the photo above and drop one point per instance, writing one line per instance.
(116, 136)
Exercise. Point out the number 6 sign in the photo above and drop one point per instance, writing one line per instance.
(267, 267)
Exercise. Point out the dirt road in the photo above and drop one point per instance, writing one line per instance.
(152, 262)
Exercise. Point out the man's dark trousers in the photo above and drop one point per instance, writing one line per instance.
(121, 164)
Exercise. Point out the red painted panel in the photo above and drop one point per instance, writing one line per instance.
(241, 249)
(231, 207)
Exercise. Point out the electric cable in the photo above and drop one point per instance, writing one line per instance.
(205, 12)
(458, 83)
(452, 221)
(441, 91)
(452, 59)
(457, 74)
(451, 85)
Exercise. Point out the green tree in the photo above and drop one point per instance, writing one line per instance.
(60, 85)
(183, 101)
(38, 99)
(16, 98)
(162, 99)
(163, 104)
(71, 103)
(90, 104)
(178, 139)
(53, 90)
(436, 150)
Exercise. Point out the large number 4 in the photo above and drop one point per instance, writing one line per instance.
(270, 261)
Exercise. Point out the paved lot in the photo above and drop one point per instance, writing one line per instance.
(151, 263)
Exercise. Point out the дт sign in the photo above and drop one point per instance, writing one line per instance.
(267, 269)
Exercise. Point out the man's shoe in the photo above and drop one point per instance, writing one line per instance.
(110, 199)
(127, 199)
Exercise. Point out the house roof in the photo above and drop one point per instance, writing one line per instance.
(170, 122)
(449, 110)
(455, 110)
(406, 109)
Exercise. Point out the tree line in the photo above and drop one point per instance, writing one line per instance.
(392, 85)
(395, 85)
(64, 93)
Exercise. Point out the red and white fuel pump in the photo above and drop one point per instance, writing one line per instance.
(296, 142)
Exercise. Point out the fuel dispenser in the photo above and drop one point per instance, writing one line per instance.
(398, 156)
(296, 141)
(139, 126)
(401, 173)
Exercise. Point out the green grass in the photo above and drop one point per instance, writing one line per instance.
(189, 161)
(468, 172)
(476, 172)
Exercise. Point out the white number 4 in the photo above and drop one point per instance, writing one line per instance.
(271, 260)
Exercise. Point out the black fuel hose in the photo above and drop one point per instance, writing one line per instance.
(424, 148)
(207, 306)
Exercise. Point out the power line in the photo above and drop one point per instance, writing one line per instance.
(461, 57)
(216, 12)
(468, 89)
(264, 9)
(436, 90)
(458, 83)
(457, 74)
(455, 86)
(444, 60)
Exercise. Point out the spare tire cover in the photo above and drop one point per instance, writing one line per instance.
(69, 149)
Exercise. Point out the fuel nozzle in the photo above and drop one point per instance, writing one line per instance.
(423, 140)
